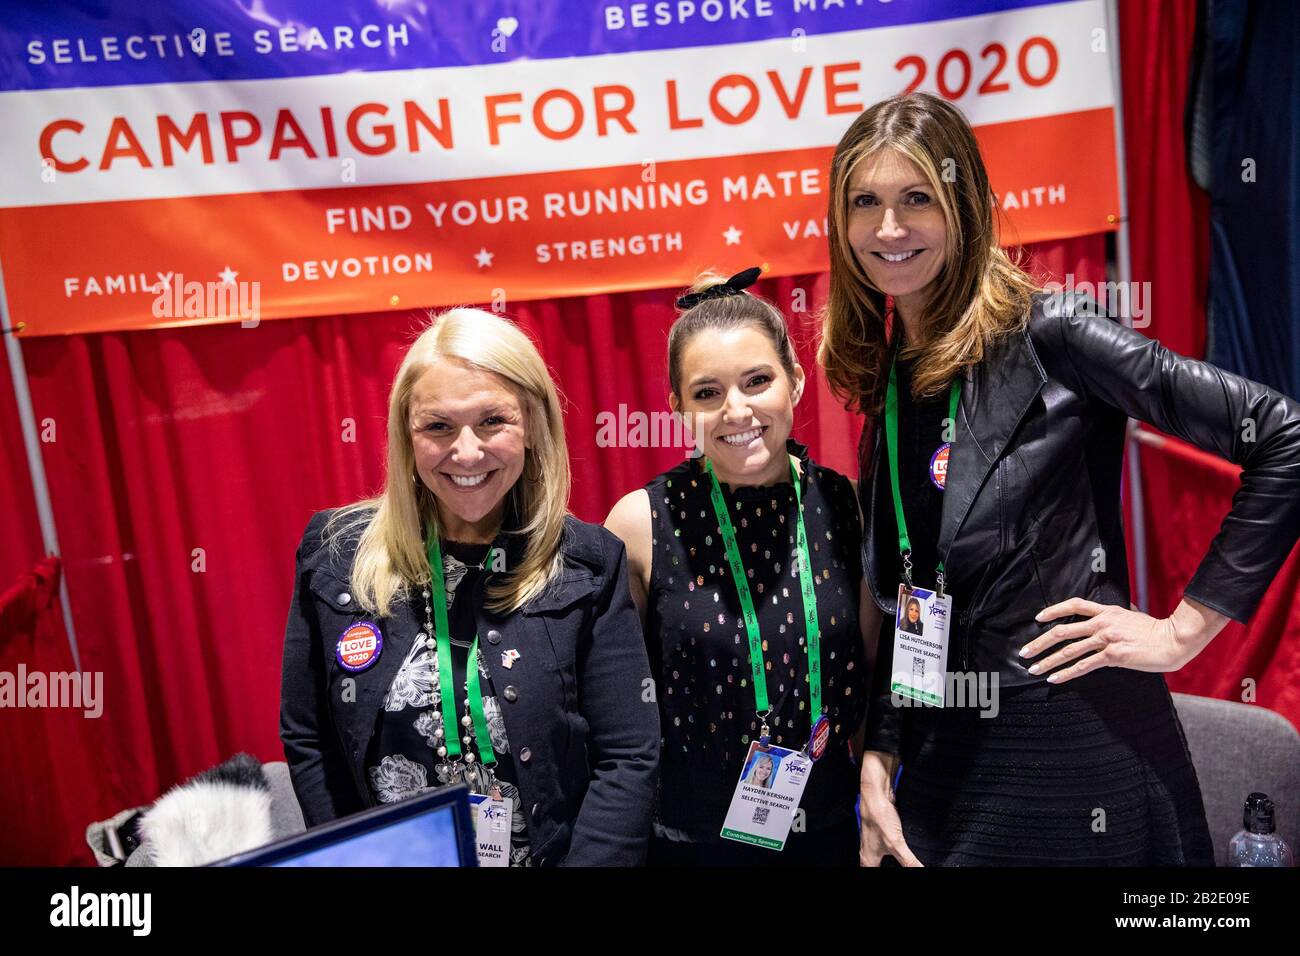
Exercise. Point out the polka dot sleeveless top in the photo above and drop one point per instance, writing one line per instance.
(695, 633)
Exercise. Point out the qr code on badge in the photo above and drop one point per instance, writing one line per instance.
(760, 815)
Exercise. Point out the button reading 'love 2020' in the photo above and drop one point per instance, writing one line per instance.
(359, 646)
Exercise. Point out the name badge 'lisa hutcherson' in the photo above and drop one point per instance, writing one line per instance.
(921, 626)
(921, 645)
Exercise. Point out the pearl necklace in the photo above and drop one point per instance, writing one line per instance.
(469, 769)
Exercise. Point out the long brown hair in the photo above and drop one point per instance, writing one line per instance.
(979, 294)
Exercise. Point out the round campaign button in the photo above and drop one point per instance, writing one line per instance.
(939, 465)
(821, 734)
(359, 647)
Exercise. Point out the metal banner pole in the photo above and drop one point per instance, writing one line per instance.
(35, 464)
(1124, 274)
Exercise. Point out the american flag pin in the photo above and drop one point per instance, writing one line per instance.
(508, 658)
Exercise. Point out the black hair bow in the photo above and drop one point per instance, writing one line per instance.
(733, 286)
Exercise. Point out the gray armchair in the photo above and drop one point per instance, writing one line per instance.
(1237, 748)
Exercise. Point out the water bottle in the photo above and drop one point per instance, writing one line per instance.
(1259, 844)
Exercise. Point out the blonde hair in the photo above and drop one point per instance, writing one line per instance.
(391, 555)
(752, 776)
(979, 294)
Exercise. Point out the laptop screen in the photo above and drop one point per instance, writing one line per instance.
(432, 829)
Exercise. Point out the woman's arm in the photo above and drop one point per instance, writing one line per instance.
(883, 722)
(318, 769)
(1245, 422)
(869, 616)
(881, 832)
(630, 520)
(869, 621)
(1230, 416)
(616, 698)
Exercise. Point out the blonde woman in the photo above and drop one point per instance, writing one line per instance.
(468, 564)
(760, 772)
(1000, 414)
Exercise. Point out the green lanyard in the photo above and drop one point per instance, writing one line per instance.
(446, 682)
(891, 438)
(813, 629)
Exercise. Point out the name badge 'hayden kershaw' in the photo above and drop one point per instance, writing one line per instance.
(359, 647)
(767, 796)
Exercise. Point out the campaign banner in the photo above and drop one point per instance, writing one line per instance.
(191, 161)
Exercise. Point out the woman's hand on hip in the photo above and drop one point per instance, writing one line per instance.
(1114, 636)
(880, 833)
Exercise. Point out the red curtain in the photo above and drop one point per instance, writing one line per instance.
(184, 463)
(20, 532)
(1169, 216)
(1187, 496)
(56, 760)
(1185, 500)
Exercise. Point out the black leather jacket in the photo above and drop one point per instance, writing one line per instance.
(1033, 483)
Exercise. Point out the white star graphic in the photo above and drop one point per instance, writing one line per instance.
(732, 235)
(227, 276)
(483, 258)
